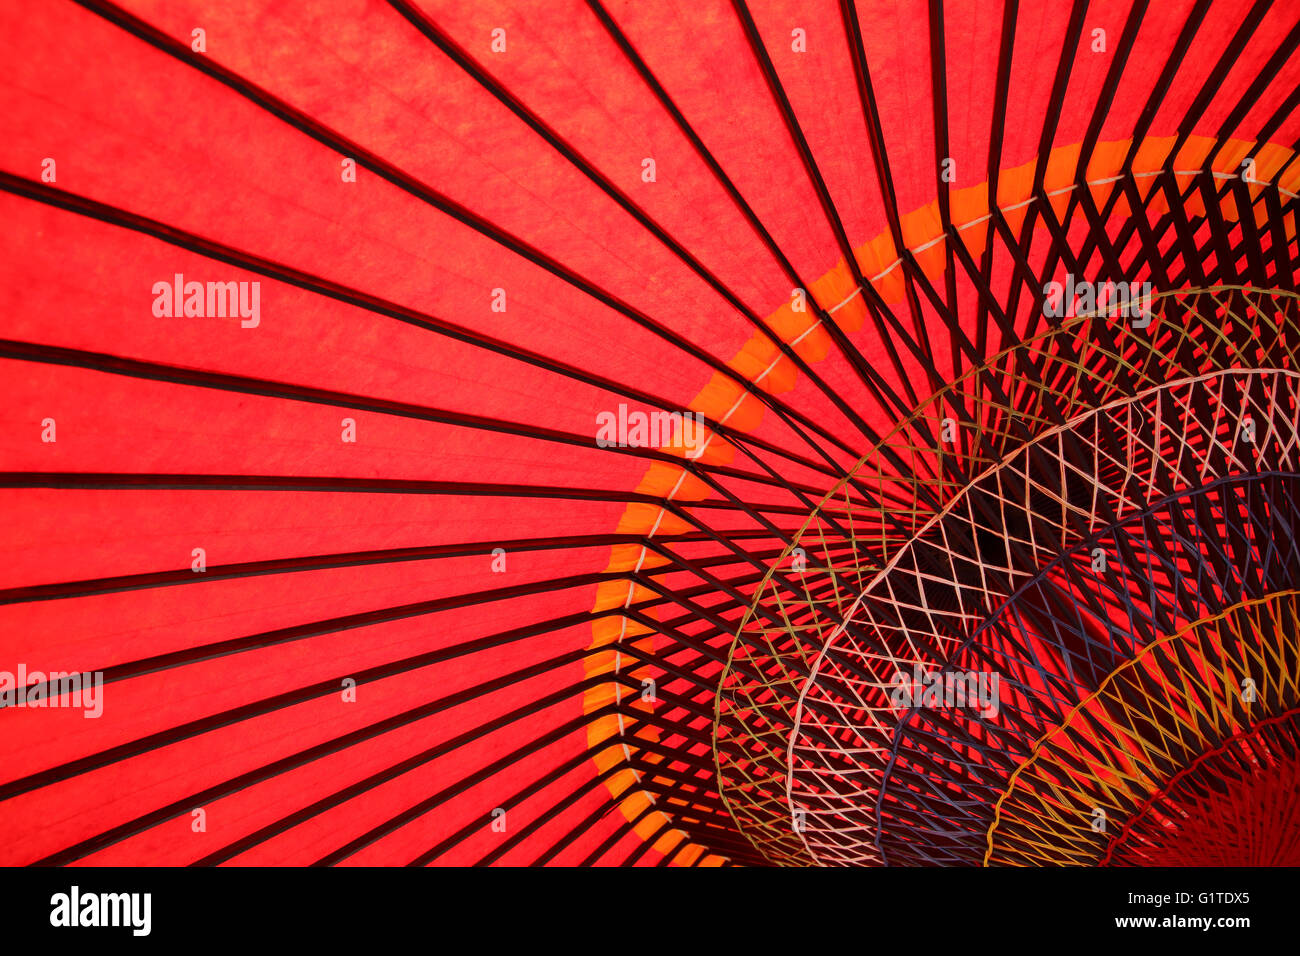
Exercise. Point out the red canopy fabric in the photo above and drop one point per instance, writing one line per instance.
(476, 228)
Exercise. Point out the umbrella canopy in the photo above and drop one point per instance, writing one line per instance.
(610, 433)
